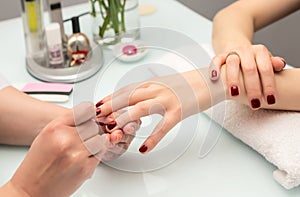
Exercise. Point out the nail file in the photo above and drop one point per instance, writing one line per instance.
(50, 92)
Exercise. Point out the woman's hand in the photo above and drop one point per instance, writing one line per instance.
(66, 153)
(175, 97)
(120, 138)
(257, 66)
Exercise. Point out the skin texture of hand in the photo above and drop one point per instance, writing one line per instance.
(65, 154)
(121, 138)
(175, 97)
(257, 66)
(233, 31)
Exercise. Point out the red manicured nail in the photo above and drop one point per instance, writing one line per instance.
(101, 123)
(234, 90)
(255, 103)
(143, 149)
(98, 111)
(99, 103)
(271, 99)
(111, 125)
(214, 73)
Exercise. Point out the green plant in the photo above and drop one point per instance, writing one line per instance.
(112, 13)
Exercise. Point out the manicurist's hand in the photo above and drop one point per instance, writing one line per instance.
(175, 97)
(65, 154)
(257, 65)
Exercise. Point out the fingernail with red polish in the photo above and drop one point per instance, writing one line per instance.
(271, 99)
(255, 103)
(214, 73)
(101, 123)
(98, 111)
(143, 149)
(99, 103)
(111, 125)
(234, 90)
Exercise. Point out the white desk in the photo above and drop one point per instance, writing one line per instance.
(231, 168)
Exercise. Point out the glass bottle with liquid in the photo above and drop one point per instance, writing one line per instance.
(32, 15)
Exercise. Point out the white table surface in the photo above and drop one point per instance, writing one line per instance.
(230, 169)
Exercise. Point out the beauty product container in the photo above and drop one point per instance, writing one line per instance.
(54, 45)
(55, 13)
(78, 45)
(33, 27)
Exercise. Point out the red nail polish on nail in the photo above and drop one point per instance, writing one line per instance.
(271, 99)
(143, 149)
(111, 125)
(101, 123)
(255, 103)
(99, 103)
(214, 73)
(98, 111)
(234, 90)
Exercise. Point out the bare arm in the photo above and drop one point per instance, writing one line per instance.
(179, 96)
(234, 25)
(23, 117)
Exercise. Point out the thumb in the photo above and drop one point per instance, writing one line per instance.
(215, 66)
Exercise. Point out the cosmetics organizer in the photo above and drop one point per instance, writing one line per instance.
(37, 68)
(37, 58)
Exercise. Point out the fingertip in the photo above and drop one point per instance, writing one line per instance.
(143, 149)
(214, 74)
(278, 63)
(116, 136)
(148, 145)
(131, 128)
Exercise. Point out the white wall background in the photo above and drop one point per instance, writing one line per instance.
(282, 38)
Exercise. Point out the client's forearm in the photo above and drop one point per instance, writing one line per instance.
(22, 117)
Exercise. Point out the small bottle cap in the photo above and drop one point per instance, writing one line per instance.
(75, 25)
(53, 35)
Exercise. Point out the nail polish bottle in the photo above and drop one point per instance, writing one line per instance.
(55, 13)
(54, 45)
(78, 45)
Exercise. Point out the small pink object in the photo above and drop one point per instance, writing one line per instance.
(129, 50)
(48, 88)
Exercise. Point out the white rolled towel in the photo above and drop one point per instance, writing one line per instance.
(274, 134)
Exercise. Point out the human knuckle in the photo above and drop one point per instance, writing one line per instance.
(142, 106)
(55, 127)
(74, 157)
(261, 48)
(232, 59)
(266, 69)
(62, 143)
(249, 69)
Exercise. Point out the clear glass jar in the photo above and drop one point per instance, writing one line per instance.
(115, 21)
